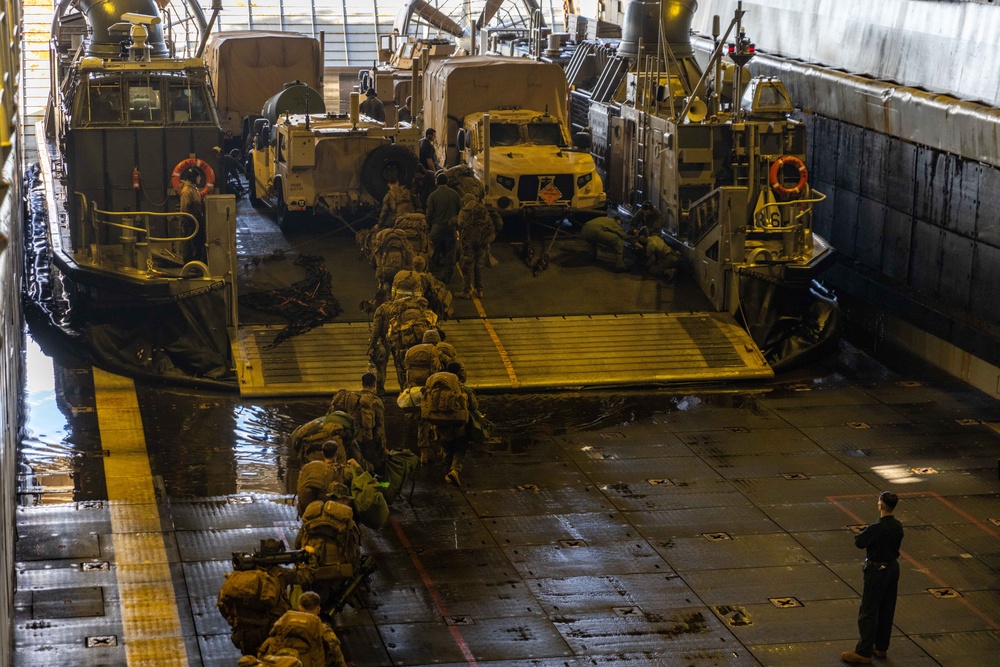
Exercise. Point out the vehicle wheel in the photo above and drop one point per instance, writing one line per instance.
(255, 201)
(285, 218)
(290, 221)
(380, 162)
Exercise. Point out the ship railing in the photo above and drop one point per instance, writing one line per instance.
(139, 237)
(787, 216)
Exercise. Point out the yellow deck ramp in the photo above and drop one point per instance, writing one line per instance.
(506, 354)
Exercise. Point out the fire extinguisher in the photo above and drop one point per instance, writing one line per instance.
(135, 178)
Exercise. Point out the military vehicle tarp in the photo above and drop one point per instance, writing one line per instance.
(249, 66)
(457, 87)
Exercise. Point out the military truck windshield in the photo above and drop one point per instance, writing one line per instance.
(545, 134)
(504, 134)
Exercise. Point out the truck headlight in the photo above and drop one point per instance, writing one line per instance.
(506, 181)
(583, 180)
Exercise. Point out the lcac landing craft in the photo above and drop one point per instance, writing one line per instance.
(147, 288)
(720, 156)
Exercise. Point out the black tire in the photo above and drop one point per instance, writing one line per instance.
(255, 201)
(289, 221)
(378, 164)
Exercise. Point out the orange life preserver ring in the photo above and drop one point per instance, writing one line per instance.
(195, 163)
(775, 173)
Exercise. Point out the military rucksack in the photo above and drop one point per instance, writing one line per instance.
(407, 283)
(474, 224)
(414, 228)
(301, 631)
(409, 326)
(444, 400)
(421, 362)
(328, 527)
(316, 476)
(308, 439)
(392, 253)
(365, 239)
(361, 407)
(251, 595)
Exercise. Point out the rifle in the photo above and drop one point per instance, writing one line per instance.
(250, 561)
(342, 596)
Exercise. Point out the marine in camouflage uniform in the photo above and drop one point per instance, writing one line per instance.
(249, 632)
(474, 227)
(378, 348)
(307, 616)
(454, 438)
(375, 450)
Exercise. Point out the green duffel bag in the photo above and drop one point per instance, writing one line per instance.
(399, 467)
(369, 501)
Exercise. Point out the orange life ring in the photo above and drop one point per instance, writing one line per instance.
(775, 173)
(193, 163)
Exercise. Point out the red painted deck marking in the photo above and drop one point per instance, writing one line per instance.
(432, 589)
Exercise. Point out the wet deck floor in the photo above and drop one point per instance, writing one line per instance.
(709, 526)
(695, 526)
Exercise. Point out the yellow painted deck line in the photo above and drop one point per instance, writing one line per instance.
(151, 626)
(504, 357)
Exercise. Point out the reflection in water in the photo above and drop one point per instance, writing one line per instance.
(46, 464)
(261, 450)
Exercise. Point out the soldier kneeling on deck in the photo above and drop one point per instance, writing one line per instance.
(660, 261)
(606, 232)
(252, 600)
(328, 529)
(302, 631)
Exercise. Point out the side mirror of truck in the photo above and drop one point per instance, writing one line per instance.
(262, 130)
(582, 141)
(461, 141)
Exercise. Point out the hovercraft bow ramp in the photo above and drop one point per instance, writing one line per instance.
(517, 353)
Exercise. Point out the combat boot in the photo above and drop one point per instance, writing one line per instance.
(452, 478)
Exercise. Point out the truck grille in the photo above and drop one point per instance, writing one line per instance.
(528, 187)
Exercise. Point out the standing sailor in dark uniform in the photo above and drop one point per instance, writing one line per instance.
(881, 540)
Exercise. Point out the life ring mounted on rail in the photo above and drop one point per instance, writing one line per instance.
(774, 177)
(199, 165)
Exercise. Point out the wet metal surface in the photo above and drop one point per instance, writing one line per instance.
(516, 353)
(580, 538)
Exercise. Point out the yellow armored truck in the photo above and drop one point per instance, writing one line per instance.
(304, 163)
(506, 119)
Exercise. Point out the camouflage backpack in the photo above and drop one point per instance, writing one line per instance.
(252, 596)
(444, 400)
(407, 283)
(408, 327)
(414, 228)
(308, 439)
(392, 253)
(421, 362)
(474, 223)
(361, 407)
(316, 476)
(328, 527)
(301, 631)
